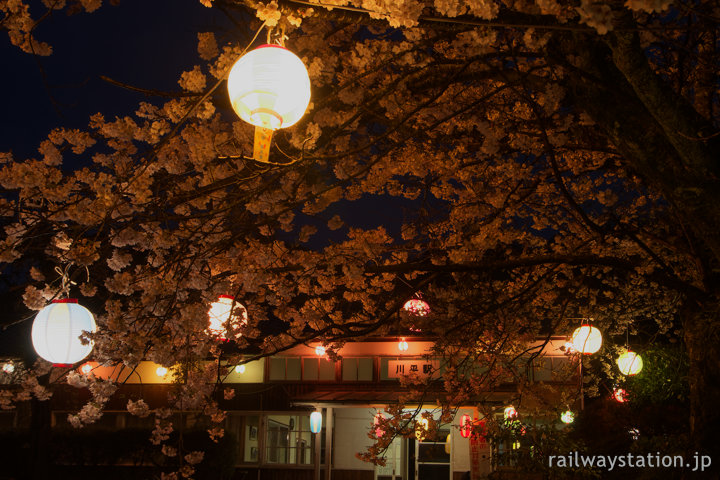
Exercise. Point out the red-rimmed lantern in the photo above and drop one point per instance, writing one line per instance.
(269, 87)
(56, 332)
(466, 426)
(221, 318)
(620, 395)
(417, 306)
(587, 339)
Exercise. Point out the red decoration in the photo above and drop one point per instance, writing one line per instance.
(620, 395)
(466, 426)
(417, 307)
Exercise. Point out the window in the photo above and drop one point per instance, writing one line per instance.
(357, 369)
(285, 368)
(542, 369)
(318, 369)
(289, 440)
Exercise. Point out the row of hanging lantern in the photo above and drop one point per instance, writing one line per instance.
(57, 329)
(588, 340)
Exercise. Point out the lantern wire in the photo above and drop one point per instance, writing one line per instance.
(66, 279)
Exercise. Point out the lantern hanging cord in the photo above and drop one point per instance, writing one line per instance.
(66, 279)
(279, 37)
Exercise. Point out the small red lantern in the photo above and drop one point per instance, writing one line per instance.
(510, 413)
(620, 395)
(466, 426)
(416, 306)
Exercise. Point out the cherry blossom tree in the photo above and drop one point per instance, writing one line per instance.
(538, 162)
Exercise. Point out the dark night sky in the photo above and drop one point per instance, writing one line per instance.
(146, 43)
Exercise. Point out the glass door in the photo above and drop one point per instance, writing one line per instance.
(393, 468)
(433, 457)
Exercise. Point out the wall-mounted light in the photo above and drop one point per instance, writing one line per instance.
(315, 422)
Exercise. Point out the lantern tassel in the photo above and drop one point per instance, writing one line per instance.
(261, 147)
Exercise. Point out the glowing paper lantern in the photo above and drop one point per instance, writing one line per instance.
(417, 307)
(567, 417)
(569, 347)
(620, 395)
(269, 87)
(587, 339)
(56, 332)
(422, 425)
(509, 412)
(403, 345)
(319, 351)
(161, 371)
(221, 318)
(240, 369)
(466, 426)
(630, 363)
(315, 422)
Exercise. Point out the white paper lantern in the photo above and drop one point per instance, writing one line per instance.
(220, 318)
(630, 363)
(587, 339)
(269, 87)
(56, 332)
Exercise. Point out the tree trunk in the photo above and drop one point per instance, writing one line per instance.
(702, 341)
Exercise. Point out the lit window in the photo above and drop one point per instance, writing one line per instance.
(289, 440)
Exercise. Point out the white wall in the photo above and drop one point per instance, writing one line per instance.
(351, 427)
